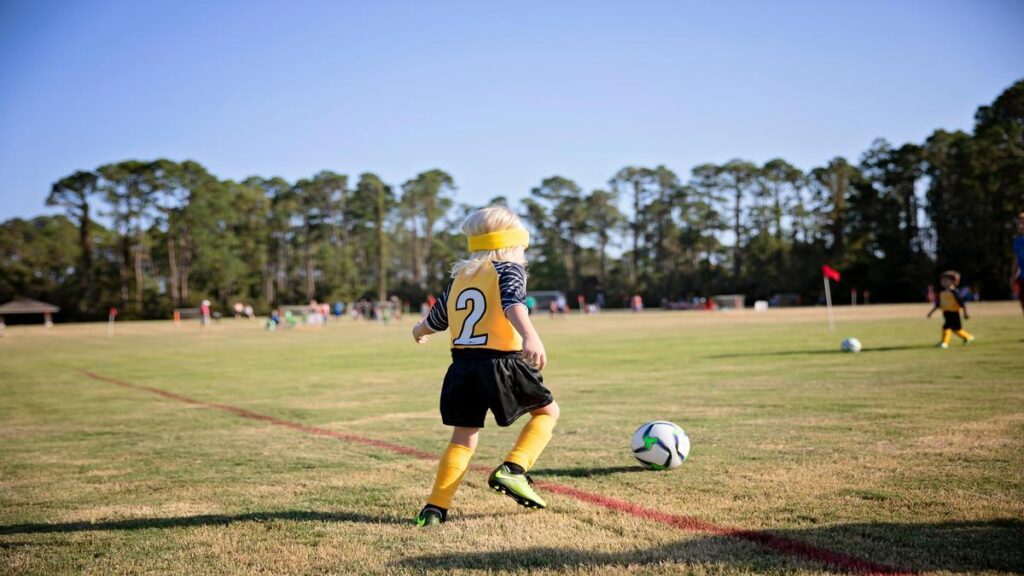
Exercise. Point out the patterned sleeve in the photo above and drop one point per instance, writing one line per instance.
(437, 318)
(511, 284)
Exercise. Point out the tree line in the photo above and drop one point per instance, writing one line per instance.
(150, 236)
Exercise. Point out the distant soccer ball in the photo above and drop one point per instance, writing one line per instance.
(660, 445)
(850, 345)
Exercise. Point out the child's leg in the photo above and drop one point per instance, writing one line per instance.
(452, 466)
(964, 335)
(946, 335)
(533, 438)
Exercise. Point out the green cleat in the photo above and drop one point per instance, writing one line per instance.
(942, 345)
(967, 341)
(518, 487)
(431, 516)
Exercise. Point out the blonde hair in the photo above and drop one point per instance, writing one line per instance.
(485, 221)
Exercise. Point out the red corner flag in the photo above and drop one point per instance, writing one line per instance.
(830, 272)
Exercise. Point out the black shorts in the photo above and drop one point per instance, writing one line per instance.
(952, 321)
(480, 380)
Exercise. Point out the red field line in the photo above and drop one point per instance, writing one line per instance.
(781, 544)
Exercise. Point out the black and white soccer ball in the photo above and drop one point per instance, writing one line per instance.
(660, 445)
(850, 345)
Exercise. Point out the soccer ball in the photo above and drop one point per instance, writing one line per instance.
(660, 445)
(850, 345)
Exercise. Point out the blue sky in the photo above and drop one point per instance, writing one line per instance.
(499, 94)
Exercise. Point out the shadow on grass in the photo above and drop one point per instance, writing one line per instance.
(963, 546)
(199, 520)
(818, 351)
(584, 472)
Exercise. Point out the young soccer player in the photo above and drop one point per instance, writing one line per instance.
(1017, 277)
(497, 357)
(951, 303)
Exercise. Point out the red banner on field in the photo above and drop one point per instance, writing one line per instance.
(830, 272)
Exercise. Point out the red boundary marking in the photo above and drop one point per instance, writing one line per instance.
(781, 544)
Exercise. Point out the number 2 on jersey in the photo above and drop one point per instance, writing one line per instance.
(479, 303)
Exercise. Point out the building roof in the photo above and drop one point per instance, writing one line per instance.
(21, 305)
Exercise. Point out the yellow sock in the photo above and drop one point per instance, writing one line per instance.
(450, 471)
(532, 440)
(964, 334)
(946, 335)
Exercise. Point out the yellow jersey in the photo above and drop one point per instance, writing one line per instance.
(473, 308)
(949, 301)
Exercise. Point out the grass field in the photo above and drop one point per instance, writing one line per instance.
(903, 455)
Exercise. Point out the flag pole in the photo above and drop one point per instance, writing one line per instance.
(828, 302)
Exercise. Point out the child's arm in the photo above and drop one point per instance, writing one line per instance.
(934, 308)
(421, 332)
(533, 348)
(435, 321)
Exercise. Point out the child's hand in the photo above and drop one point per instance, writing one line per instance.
(967, 316)
(534, 353)
(930, 312)
(420, 335)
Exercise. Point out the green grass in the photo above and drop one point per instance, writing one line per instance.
(903, 454)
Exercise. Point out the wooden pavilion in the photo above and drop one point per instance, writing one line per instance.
(21, 305)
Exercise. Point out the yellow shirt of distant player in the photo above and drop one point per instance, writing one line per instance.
(475, 316)
(948, 302)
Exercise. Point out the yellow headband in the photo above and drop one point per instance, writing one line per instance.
(499, 240)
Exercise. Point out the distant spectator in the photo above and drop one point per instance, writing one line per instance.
(968, 294)
(636, 303)
(204, 314)
(396, 307)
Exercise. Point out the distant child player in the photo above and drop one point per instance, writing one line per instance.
(1017, 277)
(496, 361)
(951, 303)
